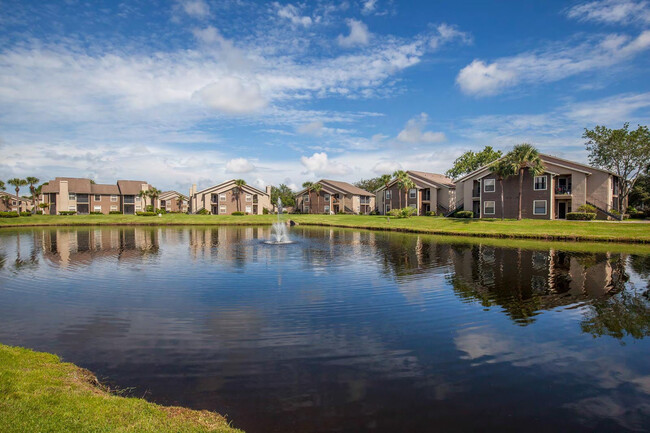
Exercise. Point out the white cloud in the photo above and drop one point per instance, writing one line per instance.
(368, 6)
(239, 165)
(446, 33)
(613, 109)
(195, 8)
(611, 11)
(413, 132)
(359, 35)
(292, 13)
(313, 128)
(232, 95)
(319, 164)
(552, 64)
(386, 167)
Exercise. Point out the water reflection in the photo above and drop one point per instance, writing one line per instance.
(344, 330)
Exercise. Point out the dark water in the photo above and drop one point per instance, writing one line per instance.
(344, 331)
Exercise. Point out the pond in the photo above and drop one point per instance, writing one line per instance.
(343, 330)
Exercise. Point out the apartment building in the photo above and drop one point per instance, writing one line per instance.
(14, 203)
(172, 201)
(432, 193)
(224, 199)
(335, 197)
(562, 188)
(84, 196)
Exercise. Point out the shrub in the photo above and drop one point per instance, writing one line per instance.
(68, 212)
(581, 216)
(146, 213)
(405, 212)
(39, 212)
(115, 212)
(161, 211)
(374, 212)
(297, 211)
(9, 215)
(464, 214)
(586, 208)
(265, 211)
(27, 214)
(238, 213)
(96, 213)
(203, 211)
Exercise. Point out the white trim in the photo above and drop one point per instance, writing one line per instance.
(413, 193)
(493, 182)
(113, 198)
(222, 197)
(305, 198)
(545, 207)
(388, 194)
(485, 206)
(249, 209)
(249, 198)
(545, 183)
(113, 208)
(305, 208)
(97, 195)
(387, 208)
(72, 196)
(223, 208)
(326, 209)
(97, 208)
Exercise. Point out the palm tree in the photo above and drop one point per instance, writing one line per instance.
(521, 157)
(317, 188)
(503, 169)
(401, 176)
(153, 193)
(143, 197)
(309, 186)
(180, 201)
(2, 185)
(239, 184)
(32, 181)
(17, 183)
(385, 180)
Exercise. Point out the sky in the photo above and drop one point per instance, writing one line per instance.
(202, 91)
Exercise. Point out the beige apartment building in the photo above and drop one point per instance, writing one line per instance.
(172, 201)
(14, 203)
(83, 196)
(432, 193)
(335, 197)
(562, 188)
(224, 199)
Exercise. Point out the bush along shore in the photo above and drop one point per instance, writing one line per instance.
(39, 393)
(598, 231)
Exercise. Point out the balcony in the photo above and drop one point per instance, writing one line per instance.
(476, 192)
(562, 190)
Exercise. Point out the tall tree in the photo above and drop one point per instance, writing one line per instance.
(2, 186)
(624, 152)
(503, 169)
(282, 192)
(370, 185)
(179, 201)
(308, 185)
(640, 194)
(239, 184)
(32, 181)
(317, 188)
(400, 176)
(17, 183)
(521, 157)
(385, 180)
(153, 194)
(470, 161)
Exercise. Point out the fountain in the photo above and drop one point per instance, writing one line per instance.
(279, 233)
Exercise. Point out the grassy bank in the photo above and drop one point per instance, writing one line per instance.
(40, 393)
(636, 232)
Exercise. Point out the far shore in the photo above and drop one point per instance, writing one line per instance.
(558, 230)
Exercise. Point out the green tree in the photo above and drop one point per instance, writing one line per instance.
(317, 188)
(404, 183)
(179, 201)
(153, 194)
(370, 185)
(2, 186)
(309, 186)
(521, 157)
(17, 183)
(470, 161)
(32, 181)
(282, 192)
(640, 194)
(624, 152)
(239, 185)
(503, 169)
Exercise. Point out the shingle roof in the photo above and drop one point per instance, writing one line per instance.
(75, 184)
(130, 187)
(104, 189)
(165, 194)
(434, 177)
(347, 187)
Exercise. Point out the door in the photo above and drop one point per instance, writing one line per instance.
(561, 210)
(476, 208)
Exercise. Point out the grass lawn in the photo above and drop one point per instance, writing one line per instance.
(39, 393)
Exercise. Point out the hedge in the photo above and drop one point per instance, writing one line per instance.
(115, 212)
(67, 212)
(26, 214)
(464, 214)
(238, 213)
(582, 216)
(96, 213)
(9, 215)
(146, 213)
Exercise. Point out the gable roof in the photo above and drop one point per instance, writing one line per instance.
(440, 179)
(75, 185)
(338, 186)
(15, 197)
(131, 187)
(169, 194)
(226, 184)
(100, 188)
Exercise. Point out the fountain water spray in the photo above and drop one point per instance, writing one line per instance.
(279, 233)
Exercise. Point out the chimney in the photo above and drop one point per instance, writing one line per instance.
(193, 190)
(268, 190)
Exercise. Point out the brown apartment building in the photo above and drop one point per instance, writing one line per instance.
(432, 193)
(562, 188)
(223, 199)
(83, 196)
(335, 197)
(13, 203)
(172, 201)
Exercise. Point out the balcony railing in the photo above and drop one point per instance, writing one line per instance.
(563, 190)
(476, 193)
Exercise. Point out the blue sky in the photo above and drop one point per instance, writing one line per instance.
(199, 91)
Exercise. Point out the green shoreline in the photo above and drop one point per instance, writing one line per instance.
(38, 392)
(580, 231)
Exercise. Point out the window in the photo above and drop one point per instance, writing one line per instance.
(540, 183)
(249, 197)
(327, 209)
(249, 209)
(222, 209)
(414, 206)
(327, 197)
(306, 208)
(72, 208)
(113, 198)
(138, 207)
(388, 194)
(413, 193)
(98, 197)
(97, 208)
(387, 208)
(137, 198)
(222, 197)
(489, 185)
(539, 207)
(113, 208)
(488, 207)
(71, 196)
(305, 198)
